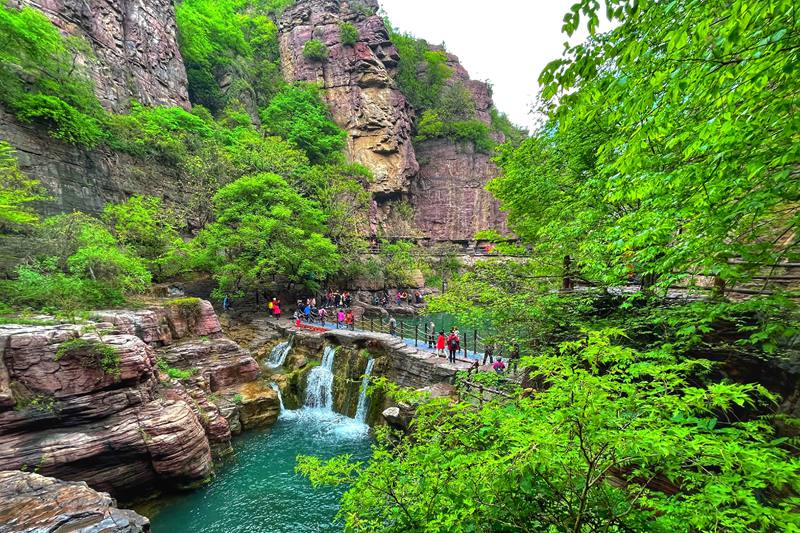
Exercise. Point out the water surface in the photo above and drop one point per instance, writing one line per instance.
(258, 491)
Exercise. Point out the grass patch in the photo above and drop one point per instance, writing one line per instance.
(175, 373)
(95, 353)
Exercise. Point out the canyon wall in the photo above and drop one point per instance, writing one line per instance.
(358, 85)
(443, 180)
(136, 55)
(135, 47)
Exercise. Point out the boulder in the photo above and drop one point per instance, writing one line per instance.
(258, 405)
(33, 503)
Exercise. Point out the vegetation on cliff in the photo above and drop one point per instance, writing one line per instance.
(668, 163)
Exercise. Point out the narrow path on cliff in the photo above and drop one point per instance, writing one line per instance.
(420, 350)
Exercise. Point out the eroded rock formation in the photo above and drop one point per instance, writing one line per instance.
(33, 503)
(126, 427)
(444, 180)
(358, 85)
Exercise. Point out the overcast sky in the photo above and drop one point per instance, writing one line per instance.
(505, 41)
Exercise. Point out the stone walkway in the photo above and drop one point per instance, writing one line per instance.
(414, 355)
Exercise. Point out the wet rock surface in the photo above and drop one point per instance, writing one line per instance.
(33, 503)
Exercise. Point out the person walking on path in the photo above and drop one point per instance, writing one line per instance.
(453, 345)
(349, 320)
(226, 303)
(488, 353)
(271, 306)
(513, 359)
(431, 333)
(440, 344)
(276, 310)
(392, 326)
(339, 319)
(322, 314)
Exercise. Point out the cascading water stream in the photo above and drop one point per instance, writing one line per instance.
(284, 412)
(361, 410)
(319, 390)
(278, 355)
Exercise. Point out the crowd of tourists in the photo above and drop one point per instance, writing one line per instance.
(334, 308)
(400, 297)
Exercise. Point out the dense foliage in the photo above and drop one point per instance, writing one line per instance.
(40, 81)
(234, 39)
(446, 106)
(663, 181)
(615, 440)
(262, 229)
(299, 114)
(17, 192)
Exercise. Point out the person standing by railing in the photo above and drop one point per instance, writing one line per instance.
(349, 320)
(488, 353)
(431, 333)
(339, 319)
(440, 344)
(453, 345)
(392, 326)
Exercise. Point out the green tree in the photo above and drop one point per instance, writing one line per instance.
(610, 440)
(265, 231)
(696, 154)
(147, 228)
(16, 192)
(299, 114)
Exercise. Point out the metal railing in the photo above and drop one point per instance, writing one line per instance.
(472, 344)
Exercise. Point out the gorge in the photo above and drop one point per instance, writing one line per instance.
(277, 265)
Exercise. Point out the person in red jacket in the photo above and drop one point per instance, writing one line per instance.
(453, 345)
(440, 344)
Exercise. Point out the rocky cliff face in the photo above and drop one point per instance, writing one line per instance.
(358, 85)
(134, 43)
(444, 181)
(64, 415)
(137, 57)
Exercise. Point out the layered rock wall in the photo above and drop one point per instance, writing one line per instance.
(443, 180)
(358, 85)
(135, 48)
(124, 430)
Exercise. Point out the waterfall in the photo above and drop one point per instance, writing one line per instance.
(286, 414)
(278, 355)
(319, 390)
(361, 410)
(280, 396)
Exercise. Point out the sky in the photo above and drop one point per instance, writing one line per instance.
(507, 42)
